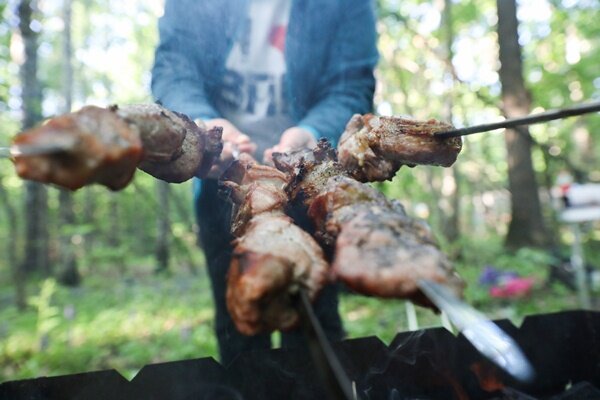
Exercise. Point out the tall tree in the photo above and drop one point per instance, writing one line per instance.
(163, 226)
(36, 197)
(88, 217)
(526, 227)
(451, 176)
(11, 249)
(115, 238)
(69, 274)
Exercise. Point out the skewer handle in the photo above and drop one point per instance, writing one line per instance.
(484, 335)
(58, 146)
(5, 152)
(527, 120)
(334, 376)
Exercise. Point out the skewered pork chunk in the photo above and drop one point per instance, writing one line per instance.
(308, 172)
(273, 259)
(175, 148)
(105, 145)
(373, 148)
(100, 147)
(377, 249)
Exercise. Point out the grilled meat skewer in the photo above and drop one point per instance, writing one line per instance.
(376, 248)
(106, 145)
(373, 148)
(379, 250)
(273, 259)
(175, 147)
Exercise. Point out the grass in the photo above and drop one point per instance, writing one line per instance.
(109, 324)
(126, 322)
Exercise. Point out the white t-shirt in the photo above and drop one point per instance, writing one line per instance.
(253, 91)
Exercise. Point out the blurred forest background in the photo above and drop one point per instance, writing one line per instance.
(95, 280)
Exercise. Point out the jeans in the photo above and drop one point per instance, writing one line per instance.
(214, 215)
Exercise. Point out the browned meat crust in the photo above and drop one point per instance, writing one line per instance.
(106, 150)
(105, 145)
(253, 189)
(377, 249)
(273, 259)
(271, 263)
(373, 148)
(308, 172)
(175, 148)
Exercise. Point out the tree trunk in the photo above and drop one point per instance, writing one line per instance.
(89, 218)
(11, 250)
(36, 198)
(177, 245)
(450, 187)
(36, 233)
(163, 227)
(115, 239)
(527, 226)
(69, 273)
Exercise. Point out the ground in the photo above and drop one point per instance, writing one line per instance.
(124, 320)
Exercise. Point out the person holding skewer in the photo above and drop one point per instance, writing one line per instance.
(276, 75)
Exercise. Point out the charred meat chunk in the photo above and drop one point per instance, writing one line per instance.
(99, 147)
(379, 250)
(376, 249)
(106, 145)
(373, 148)
(271, 263)
(273, 259)
(175, 148)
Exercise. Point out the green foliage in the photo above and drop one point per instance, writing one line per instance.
(561, 53)
(124, 317)
(127, 323)
(547, 296)
(108, 324)
(47, 314)
(4, 58)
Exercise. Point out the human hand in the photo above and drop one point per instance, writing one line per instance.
(234, 143)
(294, 138)
(233, 140)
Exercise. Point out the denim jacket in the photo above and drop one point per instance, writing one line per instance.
(330, 55)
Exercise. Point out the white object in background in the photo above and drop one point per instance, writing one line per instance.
(575, 215)
(579, 266)
(587, 194)
(411, 316)
(586, 199)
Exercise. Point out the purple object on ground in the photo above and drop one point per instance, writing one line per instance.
(492, 276)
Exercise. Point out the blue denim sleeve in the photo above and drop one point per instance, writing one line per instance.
(348, 84)
(176, 79)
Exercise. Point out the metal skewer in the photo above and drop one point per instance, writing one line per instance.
(487, 337)
(334, 376)
(527, 120)
(59, 145)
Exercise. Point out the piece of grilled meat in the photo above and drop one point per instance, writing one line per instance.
(373, 148)
(273, 259)
(376, 248)
(175, 148)
(379, 250)
(106, 145)
(100, 147)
